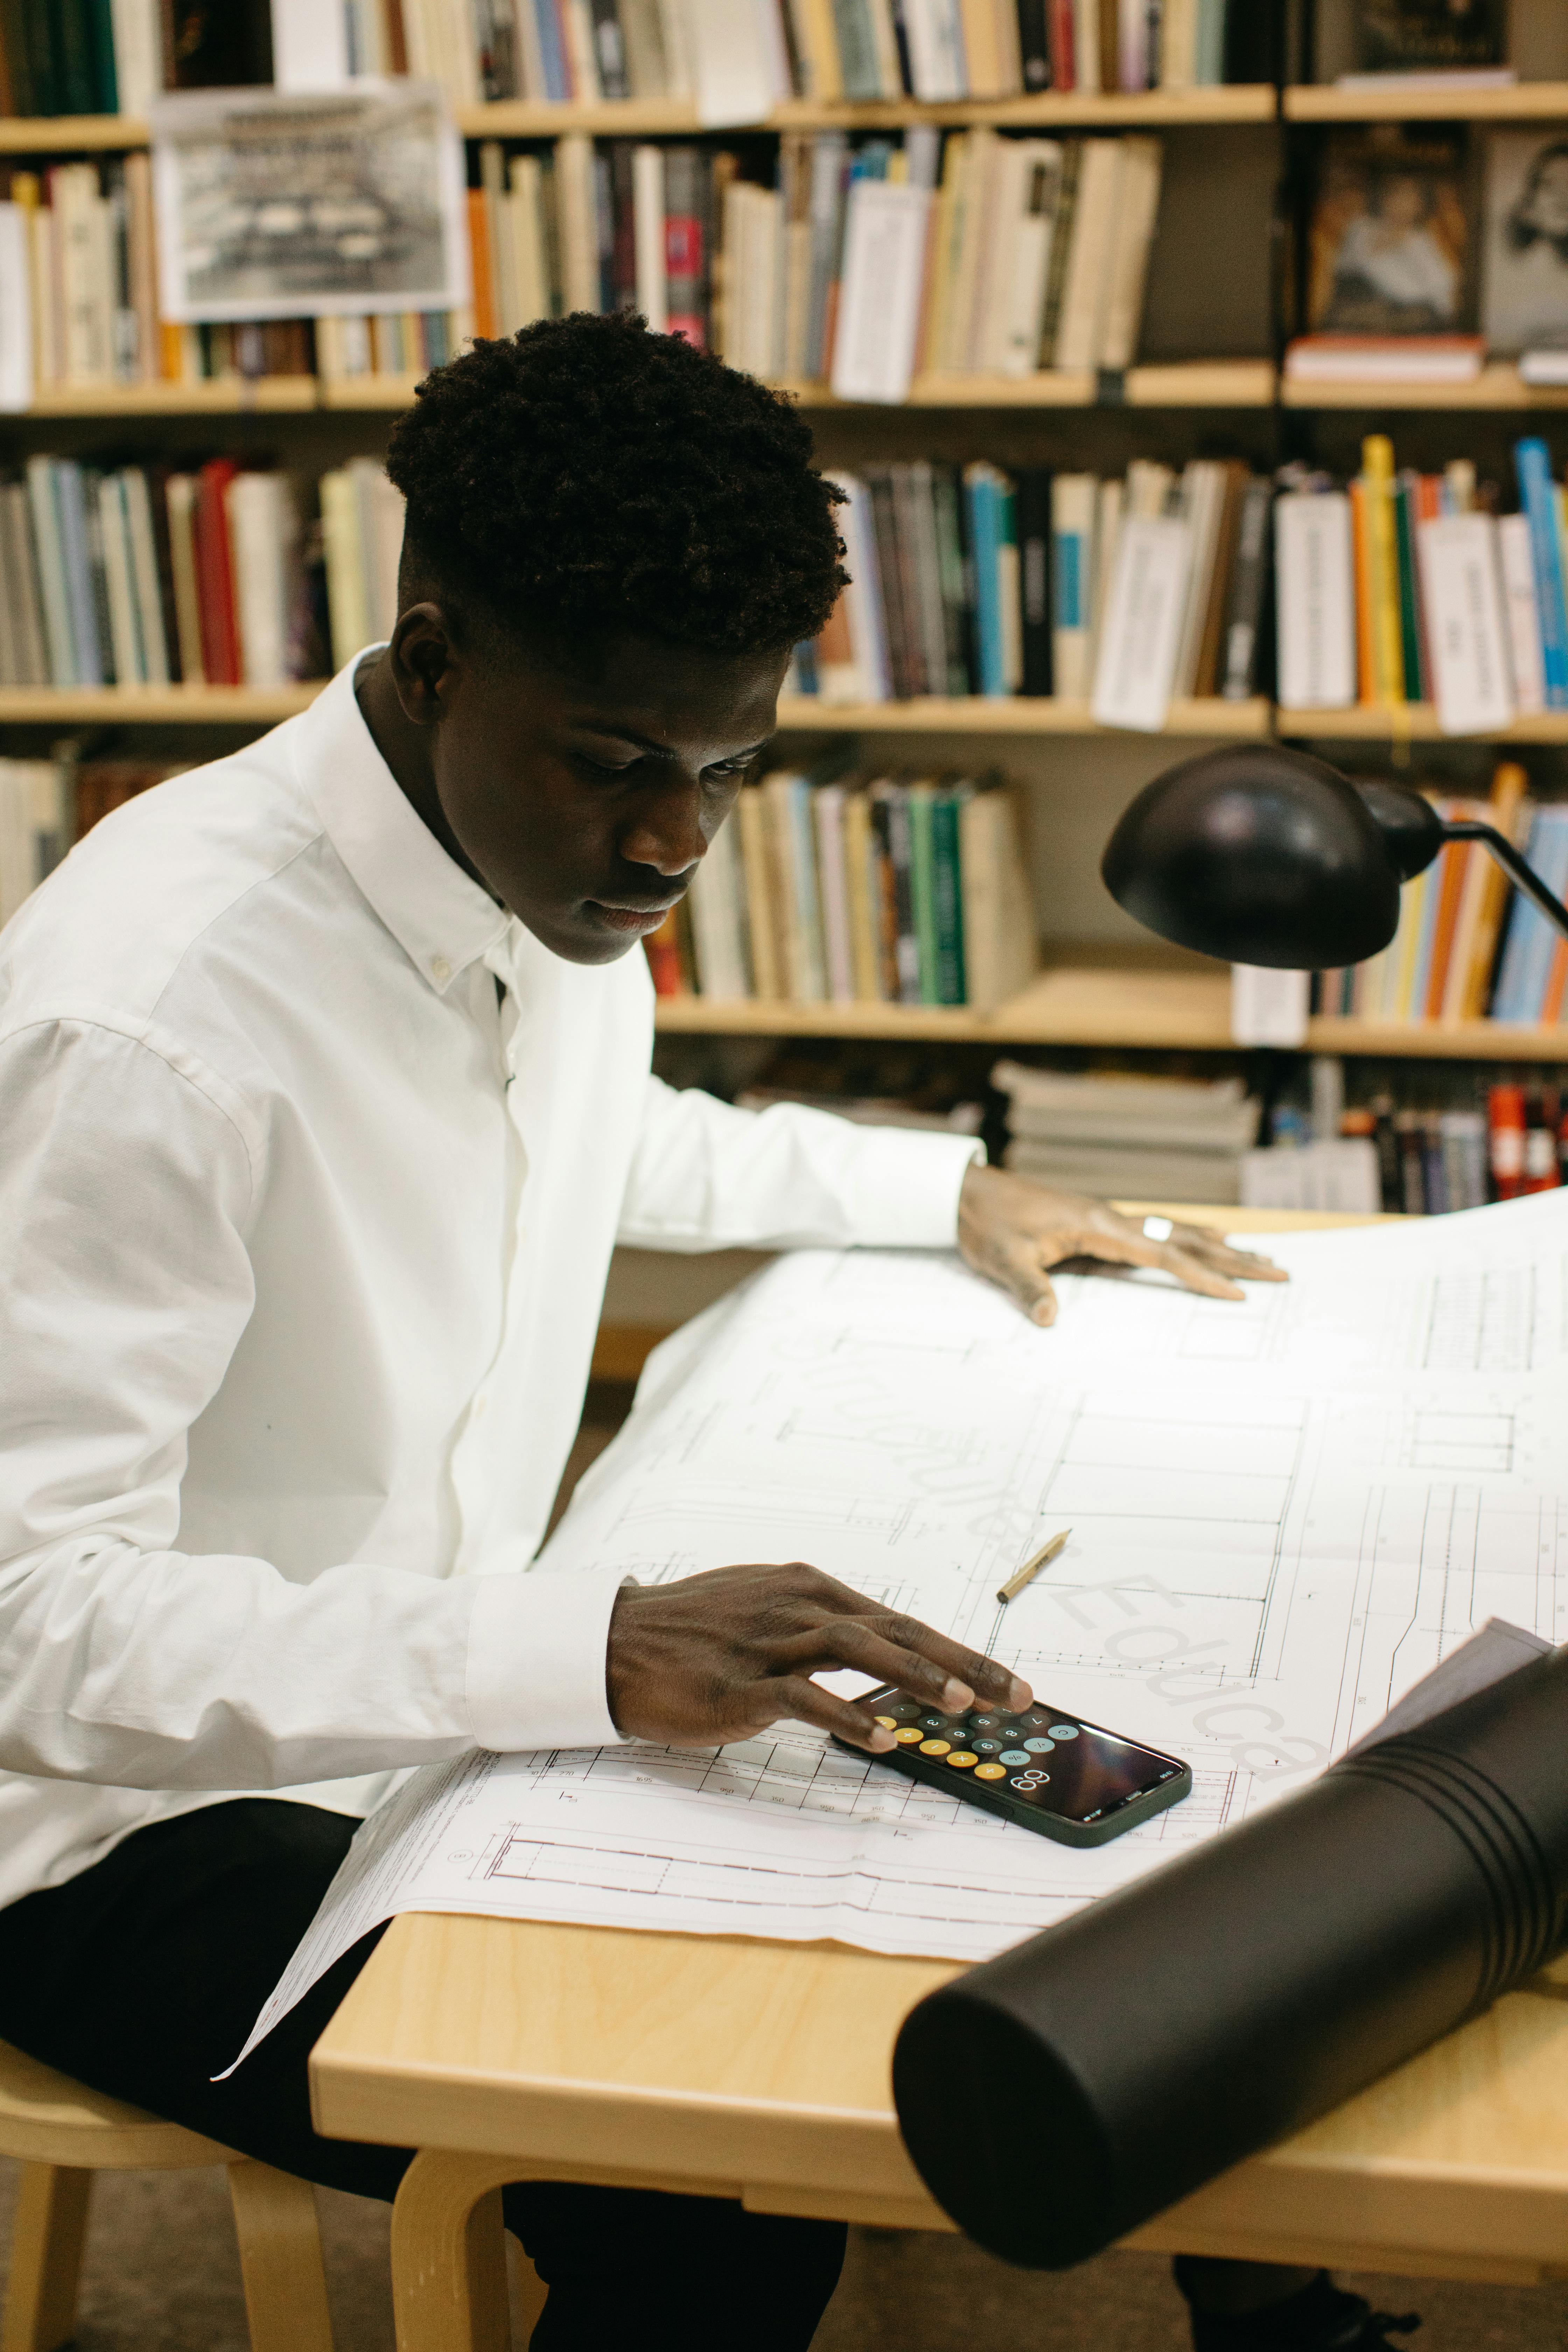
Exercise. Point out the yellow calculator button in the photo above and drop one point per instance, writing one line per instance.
(935, 1747)
(962, 1760)
(889, 1722)
(911, 1731)
(991, 1772)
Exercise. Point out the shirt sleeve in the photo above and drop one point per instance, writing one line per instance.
(707, 1176)
(125, 1283)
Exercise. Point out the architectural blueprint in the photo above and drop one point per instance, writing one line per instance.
(1283, 1514)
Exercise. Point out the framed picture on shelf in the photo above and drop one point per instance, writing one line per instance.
(1388, 242)
(284, 205)
(1429, 35)
(1524, 257)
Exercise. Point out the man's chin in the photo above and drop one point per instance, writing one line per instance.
(579, 937)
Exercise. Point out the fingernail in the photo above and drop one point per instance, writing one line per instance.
(1019, 1695)
(956, 1695)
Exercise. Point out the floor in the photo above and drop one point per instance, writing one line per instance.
(162, 2273)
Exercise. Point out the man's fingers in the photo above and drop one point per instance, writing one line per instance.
(803, 1701)
(902, 1650)
(1204, 1242)
(1022, 1272)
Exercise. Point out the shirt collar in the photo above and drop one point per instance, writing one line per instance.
(440, 918)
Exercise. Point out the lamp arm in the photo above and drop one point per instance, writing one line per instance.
(1507, 857)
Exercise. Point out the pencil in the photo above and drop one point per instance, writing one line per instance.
(1031, 1567)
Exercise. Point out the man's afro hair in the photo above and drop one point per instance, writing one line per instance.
(586, 476)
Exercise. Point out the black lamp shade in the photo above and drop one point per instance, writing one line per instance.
(1261, 854)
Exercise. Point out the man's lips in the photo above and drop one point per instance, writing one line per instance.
(629, 919)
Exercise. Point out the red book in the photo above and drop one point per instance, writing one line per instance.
(1064, 62)
(214, 574)
(1505, 1122)
(683, 258)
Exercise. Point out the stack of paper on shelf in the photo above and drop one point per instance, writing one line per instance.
(1133, 1138)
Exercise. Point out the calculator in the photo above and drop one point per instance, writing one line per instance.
(1045, 1767)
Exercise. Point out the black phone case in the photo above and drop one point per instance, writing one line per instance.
(991, 1799)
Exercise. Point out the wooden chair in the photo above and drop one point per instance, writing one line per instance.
(63, 2134)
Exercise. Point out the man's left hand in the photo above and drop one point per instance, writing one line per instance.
(1011, 1230)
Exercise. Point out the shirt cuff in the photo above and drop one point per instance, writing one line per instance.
(906, 1184)
(536, 1661)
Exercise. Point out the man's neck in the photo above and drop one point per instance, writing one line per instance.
(406, 752)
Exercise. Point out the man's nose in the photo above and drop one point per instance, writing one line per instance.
(666, 832)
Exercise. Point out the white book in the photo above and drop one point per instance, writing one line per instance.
(16, 312)
(380, 512)
(46, 354)
(994, 279)
(775, 51)
(1127, 275)
(18, 853)
(1134, 674)
(1087, 65)
(1467, 626)
(1269, 1007)
(259, 528)
(972, 246)
(866, 677)
(1109, 505)
(345, 566)
(310, 44)
(936, 49)
(138, 54)
(1315, 591)
(1034, 229)
(84, 294)
(21, 578)
(833, 882)
(1522, 612)
(728, 60)
(1074, 497)
(531, 253)
(879, 304)
(144, 576)
(1001, 952)
(577, 207)
(647, 224)
(124, 638)
(1085, 293)
(576, 22)
(1133, 44)
(717, 901)
(677, 26)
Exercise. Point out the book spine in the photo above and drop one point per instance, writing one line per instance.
(922, 892)
(1249, 579)
(863, 892)
(983, 504)
(1418, 687)
(947, 898)
(1377, 463)
(1536, 498)
(907, 963)
(1034, 524)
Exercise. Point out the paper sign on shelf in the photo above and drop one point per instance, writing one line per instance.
(1267, 1007)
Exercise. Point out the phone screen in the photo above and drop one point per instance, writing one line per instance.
(1043, 1759)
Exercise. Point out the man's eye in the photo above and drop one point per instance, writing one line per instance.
(726, 772)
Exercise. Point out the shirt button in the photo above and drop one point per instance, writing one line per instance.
(440, 969)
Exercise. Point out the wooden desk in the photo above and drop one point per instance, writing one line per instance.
(507, 2050)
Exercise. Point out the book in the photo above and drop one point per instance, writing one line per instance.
(1524, 264)
(1522, 612)
(1388, 245)
(1135, 672)
(1249, 582)
(1072, 583)
(1386, 359)
(1467, 624)
(1424, 36)
(1316, 601)
(1537, 500)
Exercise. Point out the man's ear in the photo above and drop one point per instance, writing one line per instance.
(425, 663)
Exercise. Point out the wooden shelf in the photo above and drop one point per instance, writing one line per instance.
(1126, 1005)
(1008, 715)
(365, 392)
(68, 134)
(1232, 103)
(133, 706)
(50, 135)
(1523, 102)
(1499, 385)
(1414, 722)
(224, 395)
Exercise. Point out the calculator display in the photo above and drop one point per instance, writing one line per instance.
(1043, 1766)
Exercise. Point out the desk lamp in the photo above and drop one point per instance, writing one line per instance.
(1260, 854)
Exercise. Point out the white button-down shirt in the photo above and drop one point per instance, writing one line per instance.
(305, 1228)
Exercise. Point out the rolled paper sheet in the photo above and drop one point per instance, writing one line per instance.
(1164, 2034)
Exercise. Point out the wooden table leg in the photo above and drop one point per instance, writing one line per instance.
(448, 2258)
(280, 2259)
(45, 2258)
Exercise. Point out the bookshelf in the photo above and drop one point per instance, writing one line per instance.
(1520, 102)
(1115, 997)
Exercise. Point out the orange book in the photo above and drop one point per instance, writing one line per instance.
(479, 249)
(1551, 1002)
(1454, 865)
(1509, 785)
(664, 956)
(1361, 544)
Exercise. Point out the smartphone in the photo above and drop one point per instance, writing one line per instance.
(1045, 1768)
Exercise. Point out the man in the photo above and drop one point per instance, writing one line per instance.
(324, 1093)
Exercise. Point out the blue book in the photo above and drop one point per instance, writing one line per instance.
(1430, 903)
(552, 55)
(982, 497)
(1538, 501)
(1532, 939)
(1506, 992)
(71, 493)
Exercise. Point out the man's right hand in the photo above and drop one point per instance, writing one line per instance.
(716, 1657)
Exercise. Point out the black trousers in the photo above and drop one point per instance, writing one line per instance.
(142, 1976)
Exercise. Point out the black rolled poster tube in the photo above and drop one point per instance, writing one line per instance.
(1234, 1995)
